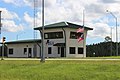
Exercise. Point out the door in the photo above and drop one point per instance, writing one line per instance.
(62, 52)
(29, 52)
(35, 51)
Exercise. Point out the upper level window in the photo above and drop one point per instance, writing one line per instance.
(74, 35)
(53, 35)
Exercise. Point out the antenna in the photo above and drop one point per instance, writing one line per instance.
(35, 25)
(35, 17)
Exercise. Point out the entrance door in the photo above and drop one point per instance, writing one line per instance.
(29, 52)
(62, 52)
(35, 51)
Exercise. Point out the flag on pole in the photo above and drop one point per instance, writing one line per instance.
(81, 37)
(80, 30)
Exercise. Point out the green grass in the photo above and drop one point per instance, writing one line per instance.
(60, 70)
(106, 57)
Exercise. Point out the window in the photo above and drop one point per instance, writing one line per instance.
(11, 51)
(80, 50)
(25, 50)
(49, 50)
(74, 35)
(30, 50)
(46, 35)
(53, 35)
(72, 50)
(58, 50)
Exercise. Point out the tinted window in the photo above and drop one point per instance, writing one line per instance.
(53, 35)
(25, 50)
(80, 50)
(49, 50)
(72, 50)
(58, 50)
(11, 51)
(74, 35)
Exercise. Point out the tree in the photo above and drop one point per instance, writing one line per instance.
(108, 39)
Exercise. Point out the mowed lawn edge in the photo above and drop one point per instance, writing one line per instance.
(59, 70)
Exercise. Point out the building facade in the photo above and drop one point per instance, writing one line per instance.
(60, 40)
(24, 48)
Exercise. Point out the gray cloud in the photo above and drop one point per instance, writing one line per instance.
(109, 1)
(95, 8)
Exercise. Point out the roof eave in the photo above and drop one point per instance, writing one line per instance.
(88, 28)
(40, 28)
(24, 41)
(63, 25)
(37, 28)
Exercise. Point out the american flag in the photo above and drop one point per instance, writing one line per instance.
(81, 38)
(80, 30)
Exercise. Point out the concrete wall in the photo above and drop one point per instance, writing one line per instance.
(74, 43)
(54, 41)
(69, 43)
(18, 50)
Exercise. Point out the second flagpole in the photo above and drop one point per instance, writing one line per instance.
(84, 49)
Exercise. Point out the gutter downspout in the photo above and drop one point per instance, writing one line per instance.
(65, 42)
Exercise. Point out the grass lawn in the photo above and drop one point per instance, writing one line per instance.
(60, 70)
(106, 57)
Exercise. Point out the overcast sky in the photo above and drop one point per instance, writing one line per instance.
(17, 17)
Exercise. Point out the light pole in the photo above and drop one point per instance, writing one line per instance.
(0, 24)
(3, 48)
(43, 54)
(111, 42)
(116, 32)
(0, 32)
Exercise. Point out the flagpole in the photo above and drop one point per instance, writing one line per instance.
(0, 23)
(83, 18)
(83, 34)
(43, 54)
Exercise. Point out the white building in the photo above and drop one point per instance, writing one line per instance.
(24, 48)
(60, 41)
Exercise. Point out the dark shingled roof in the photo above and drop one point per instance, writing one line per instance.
(62, 25)
(24, 41)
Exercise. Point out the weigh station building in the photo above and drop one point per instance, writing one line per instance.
(60, 40)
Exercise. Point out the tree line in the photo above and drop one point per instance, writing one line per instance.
(102, 49)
